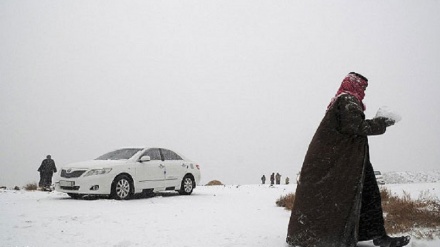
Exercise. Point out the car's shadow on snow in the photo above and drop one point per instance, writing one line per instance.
(134, 197)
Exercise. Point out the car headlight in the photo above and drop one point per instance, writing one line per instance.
(97, 172)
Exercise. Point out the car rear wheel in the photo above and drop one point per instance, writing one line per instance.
(187, 186)
(122, 188)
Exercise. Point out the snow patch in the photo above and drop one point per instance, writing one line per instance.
(386, 112)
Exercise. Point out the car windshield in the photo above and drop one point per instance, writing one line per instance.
(377, 173)
(121, 154)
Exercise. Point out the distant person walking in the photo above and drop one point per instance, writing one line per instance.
(278, 178)
(47, 169)
(263, 179)
(337, 200)
(287, 180)
(272, 178)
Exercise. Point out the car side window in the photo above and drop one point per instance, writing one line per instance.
(153, 153)
(170, 155)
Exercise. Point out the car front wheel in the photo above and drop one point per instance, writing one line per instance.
(122, 188)
(187, 186)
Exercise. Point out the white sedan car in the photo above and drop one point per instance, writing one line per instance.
(128, 171)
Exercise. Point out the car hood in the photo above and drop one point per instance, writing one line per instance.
(96, 164)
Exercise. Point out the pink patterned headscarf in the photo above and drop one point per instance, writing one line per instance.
(353, 84)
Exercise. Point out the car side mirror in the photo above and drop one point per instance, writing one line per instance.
(145, 158)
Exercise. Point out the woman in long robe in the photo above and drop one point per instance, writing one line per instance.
(337, 201)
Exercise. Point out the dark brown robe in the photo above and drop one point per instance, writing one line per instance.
(335, 178)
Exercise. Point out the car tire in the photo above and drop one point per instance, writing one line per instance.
(187, 185)
(75, 196)
(122, 188)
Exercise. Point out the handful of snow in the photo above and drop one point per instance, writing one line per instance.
(385, 112)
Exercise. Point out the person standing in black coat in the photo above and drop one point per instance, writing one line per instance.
(47, 169)
(337, 200)
(278, 178)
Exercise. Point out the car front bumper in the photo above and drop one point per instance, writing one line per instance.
(96, 185)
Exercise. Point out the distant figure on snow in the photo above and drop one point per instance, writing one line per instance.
(46, 169)
(272, 178)
(287, 180)
(337, 200)
(278, 178)
(263, 179)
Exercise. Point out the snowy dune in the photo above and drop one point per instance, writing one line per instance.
(213, 216)
(406, 177)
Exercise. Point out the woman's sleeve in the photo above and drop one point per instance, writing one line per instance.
(351, 119)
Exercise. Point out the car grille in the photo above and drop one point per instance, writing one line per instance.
(71, 174)
(69, 188)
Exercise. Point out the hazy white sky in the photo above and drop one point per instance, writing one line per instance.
(237, 86)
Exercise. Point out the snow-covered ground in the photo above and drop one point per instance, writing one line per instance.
(213, 216)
